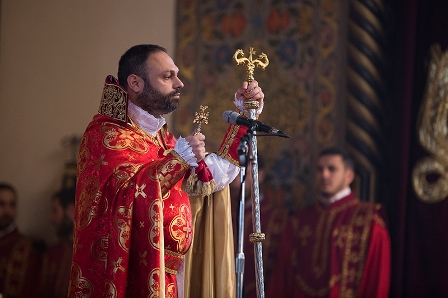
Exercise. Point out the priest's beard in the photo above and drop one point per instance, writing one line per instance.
(156, 103)
(65, 228)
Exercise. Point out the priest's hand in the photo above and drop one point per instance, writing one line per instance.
(197, 144)
(251, 92)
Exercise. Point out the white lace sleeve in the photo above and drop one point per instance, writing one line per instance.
(222, 170)
(184, 150)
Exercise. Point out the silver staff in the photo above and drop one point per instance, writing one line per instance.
(257, 236)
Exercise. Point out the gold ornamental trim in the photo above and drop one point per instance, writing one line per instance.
(114, 100)
(257, 237)
(430, 192)
(430, 174)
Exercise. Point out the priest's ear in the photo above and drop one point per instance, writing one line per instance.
(349, 176)
(135, 83)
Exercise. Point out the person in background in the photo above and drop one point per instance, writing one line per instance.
(20, 255)
(339, 247)
(58, 257)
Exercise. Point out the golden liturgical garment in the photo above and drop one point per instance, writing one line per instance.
(210, 262)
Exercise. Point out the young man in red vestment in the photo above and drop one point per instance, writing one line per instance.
(58, 257)
(340, 247)
(20, 256)
(133, 221)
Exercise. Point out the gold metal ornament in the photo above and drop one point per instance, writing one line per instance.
(200, 117)
(433, 133)
(262, 62)
(257, 237)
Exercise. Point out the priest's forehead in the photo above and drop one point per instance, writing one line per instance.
(159, 63)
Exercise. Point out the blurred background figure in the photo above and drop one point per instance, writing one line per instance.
(58, 257)
(20, 256)
(338, 247)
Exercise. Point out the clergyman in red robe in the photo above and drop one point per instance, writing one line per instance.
(133, 221)
(339, 247)
(58, 257)
(20, 255)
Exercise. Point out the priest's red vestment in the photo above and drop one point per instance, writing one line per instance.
(133, 222)
(338, 251)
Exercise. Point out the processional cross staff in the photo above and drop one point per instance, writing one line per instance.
(257, 236)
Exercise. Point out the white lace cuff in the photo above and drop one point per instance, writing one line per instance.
(240, 106)
(222, 170)
(184, 150)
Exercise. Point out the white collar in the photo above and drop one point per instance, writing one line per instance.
(342, 194)
(144, 120)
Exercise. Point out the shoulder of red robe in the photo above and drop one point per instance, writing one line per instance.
(114, 100)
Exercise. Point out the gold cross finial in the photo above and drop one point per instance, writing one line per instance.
(200, 117)
(262, 62)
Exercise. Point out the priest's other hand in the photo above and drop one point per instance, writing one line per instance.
(197, 143)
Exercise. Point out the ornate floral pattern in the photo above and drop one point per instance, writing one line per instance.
(81, 287)
(91, 203)
(302, 84)
(181, 229)
(123, 218)
(117, 138)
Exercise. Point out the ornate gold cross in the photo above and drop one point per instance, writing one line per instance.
(262, 61)
(200, 117)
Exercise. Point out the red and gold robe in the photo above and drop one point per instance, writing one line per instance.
(20, 265)
(133, 222)
(338, 251)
